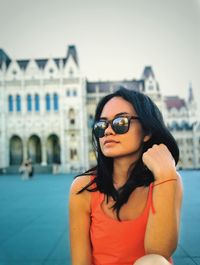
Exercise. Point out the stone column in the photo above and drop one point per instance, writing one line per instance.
(44, 153)
(25, 149)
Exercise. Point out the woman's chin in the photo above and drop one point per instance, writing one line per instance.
(111, 154)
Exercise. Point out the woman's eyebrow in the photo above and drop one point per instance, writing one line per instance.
(116, 115)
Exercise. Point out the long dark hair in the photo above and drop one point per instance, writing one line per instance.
(152, 122)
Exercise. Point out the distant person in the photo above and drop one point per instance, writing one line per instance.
(30, 168)
(126, 210)
(26, 169)
(56, 169)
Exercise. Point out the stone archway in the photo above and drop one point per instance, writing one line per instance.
(34, 149)
(53, 149)
(16, 150)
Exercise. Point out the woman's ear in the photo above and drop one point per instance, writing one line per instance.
(147, 137)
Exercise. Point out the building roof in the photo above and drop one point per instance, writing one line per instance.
(72, 51)
(104, 86)
(4, 58)
(148, 71)
(174, 102)
(40, 62)
(23, 64)
(180, 126)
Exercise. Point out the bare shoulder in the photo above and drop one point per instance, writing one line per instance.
(80, 201)
(79, 183)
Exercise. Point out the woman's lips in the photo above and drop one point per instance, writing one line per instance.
(110, 142)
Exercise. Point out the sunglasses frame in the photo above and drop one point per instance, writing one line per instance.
(110, 122)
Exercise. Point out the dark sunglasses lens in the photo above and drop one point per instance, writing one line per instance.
(121, 125)
(99, 128)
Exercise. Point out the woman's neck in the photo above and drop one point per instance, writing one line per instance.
(121, 167)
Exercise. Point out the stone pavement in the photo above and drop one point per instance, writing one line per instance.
(34, 222)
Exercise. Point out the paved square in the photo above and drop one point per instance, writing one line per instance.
(34, 220)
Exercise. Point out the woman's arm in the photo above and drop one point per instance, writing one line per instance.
(163, 226)
(79, 222)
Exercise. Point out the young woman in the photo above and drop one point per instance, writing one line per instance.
(126, 210)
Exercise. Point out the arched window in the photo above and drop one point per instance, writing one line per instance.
(53, 149)
(174, 125)
(37, 102)
(74, 93)
(68, 93)
(16, 150)
(48, 103)
(18, 102)
(29, 102)
(10, 103)
(73, 154)
(90, 121)
(55, 101)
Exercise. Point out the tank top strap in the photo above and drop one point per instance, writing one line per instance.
(96, 197)
(152, 185)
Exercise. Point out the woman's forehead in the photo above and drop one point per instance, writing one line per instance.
(117, 105)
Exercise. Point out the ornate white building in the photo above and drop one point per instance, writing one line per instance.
(47, 108)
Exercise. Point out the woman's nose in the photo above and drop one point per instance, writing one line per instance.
(109, 130)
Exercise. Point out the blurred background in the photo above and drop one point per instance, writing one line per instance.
(57, 60)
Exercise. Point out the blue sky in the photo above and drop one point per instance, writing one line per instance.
(114, 39)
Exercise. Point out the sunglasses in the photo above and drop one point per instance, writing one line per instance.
(120, 125)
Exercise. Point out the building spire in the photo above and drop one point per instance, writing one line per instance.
(190, 93)
(148, 71)
(4, 58)
(72, 51)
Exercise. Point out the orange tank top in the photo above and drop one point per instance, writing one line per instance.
(117, 242)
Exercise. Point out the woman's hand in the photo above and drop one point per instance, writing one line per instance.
(160, 162)
(162, 229)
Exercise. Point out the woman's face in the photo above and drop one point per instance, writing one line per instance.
(121, 145)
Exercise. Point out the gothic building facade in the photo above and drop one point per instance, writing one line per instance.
(47, 108)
